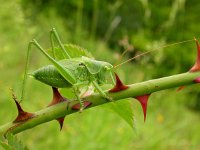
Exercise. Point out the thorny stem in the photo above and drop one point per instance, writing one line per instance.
(137, 89)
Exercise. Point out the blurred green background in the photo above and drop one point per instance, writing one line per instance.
(105, 28)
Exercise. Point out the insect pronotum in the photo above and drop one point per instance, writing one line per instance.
(73, 72)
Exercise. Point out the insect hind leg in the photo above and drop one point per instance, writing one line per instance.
(26, 72)
(64, 72)
(54, 34)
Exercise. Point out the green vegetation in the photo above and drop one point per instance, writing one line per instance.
(106, 29)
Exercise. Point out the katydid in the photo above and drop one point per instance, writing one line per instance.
(72, 72)
(69, 72)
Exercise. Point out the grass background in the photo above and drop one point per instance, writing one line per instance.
(172, 118)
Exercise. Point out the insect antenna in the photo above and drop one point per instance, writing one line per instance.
(127, 46)
(158, 48)
(121, 56)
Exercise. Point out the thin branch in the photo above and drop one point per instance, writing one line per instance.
(64, 108)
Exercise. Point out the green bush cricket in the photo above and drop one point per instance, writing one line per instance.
(69, 72)
(73, 72)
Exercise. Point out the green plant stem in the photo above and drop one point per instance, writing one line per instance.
(64, 108)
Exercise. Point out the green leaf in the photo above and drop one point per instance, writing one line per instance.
(124, 110)
(73, 50)
(68, 93)
(10, 142)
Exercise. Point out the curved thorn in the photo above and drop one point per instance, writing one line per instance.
(61, 121)
(57, 98)
(143, 101)
(119, 86)
(22, 115)
(196, 66)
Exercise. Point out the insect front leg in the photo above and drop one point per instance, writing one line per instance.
(112, 78)
(101, 92)
(53, 33)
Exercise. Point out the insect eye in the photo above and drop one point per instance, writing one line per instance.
(106, 67)
(81, 64)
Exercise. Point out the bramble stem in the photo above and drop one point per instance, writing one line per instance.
(137, 89)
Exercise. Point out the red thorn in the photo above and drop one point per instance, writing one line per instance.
(119, 86)
(197, 80)
(22, 115)
(180, 88)
(57, 98)
(196, 66)
(78, 106)
(61, 120)
(143, 101)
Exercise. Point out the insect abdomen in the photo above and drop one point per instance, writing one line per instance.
(50, 76)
